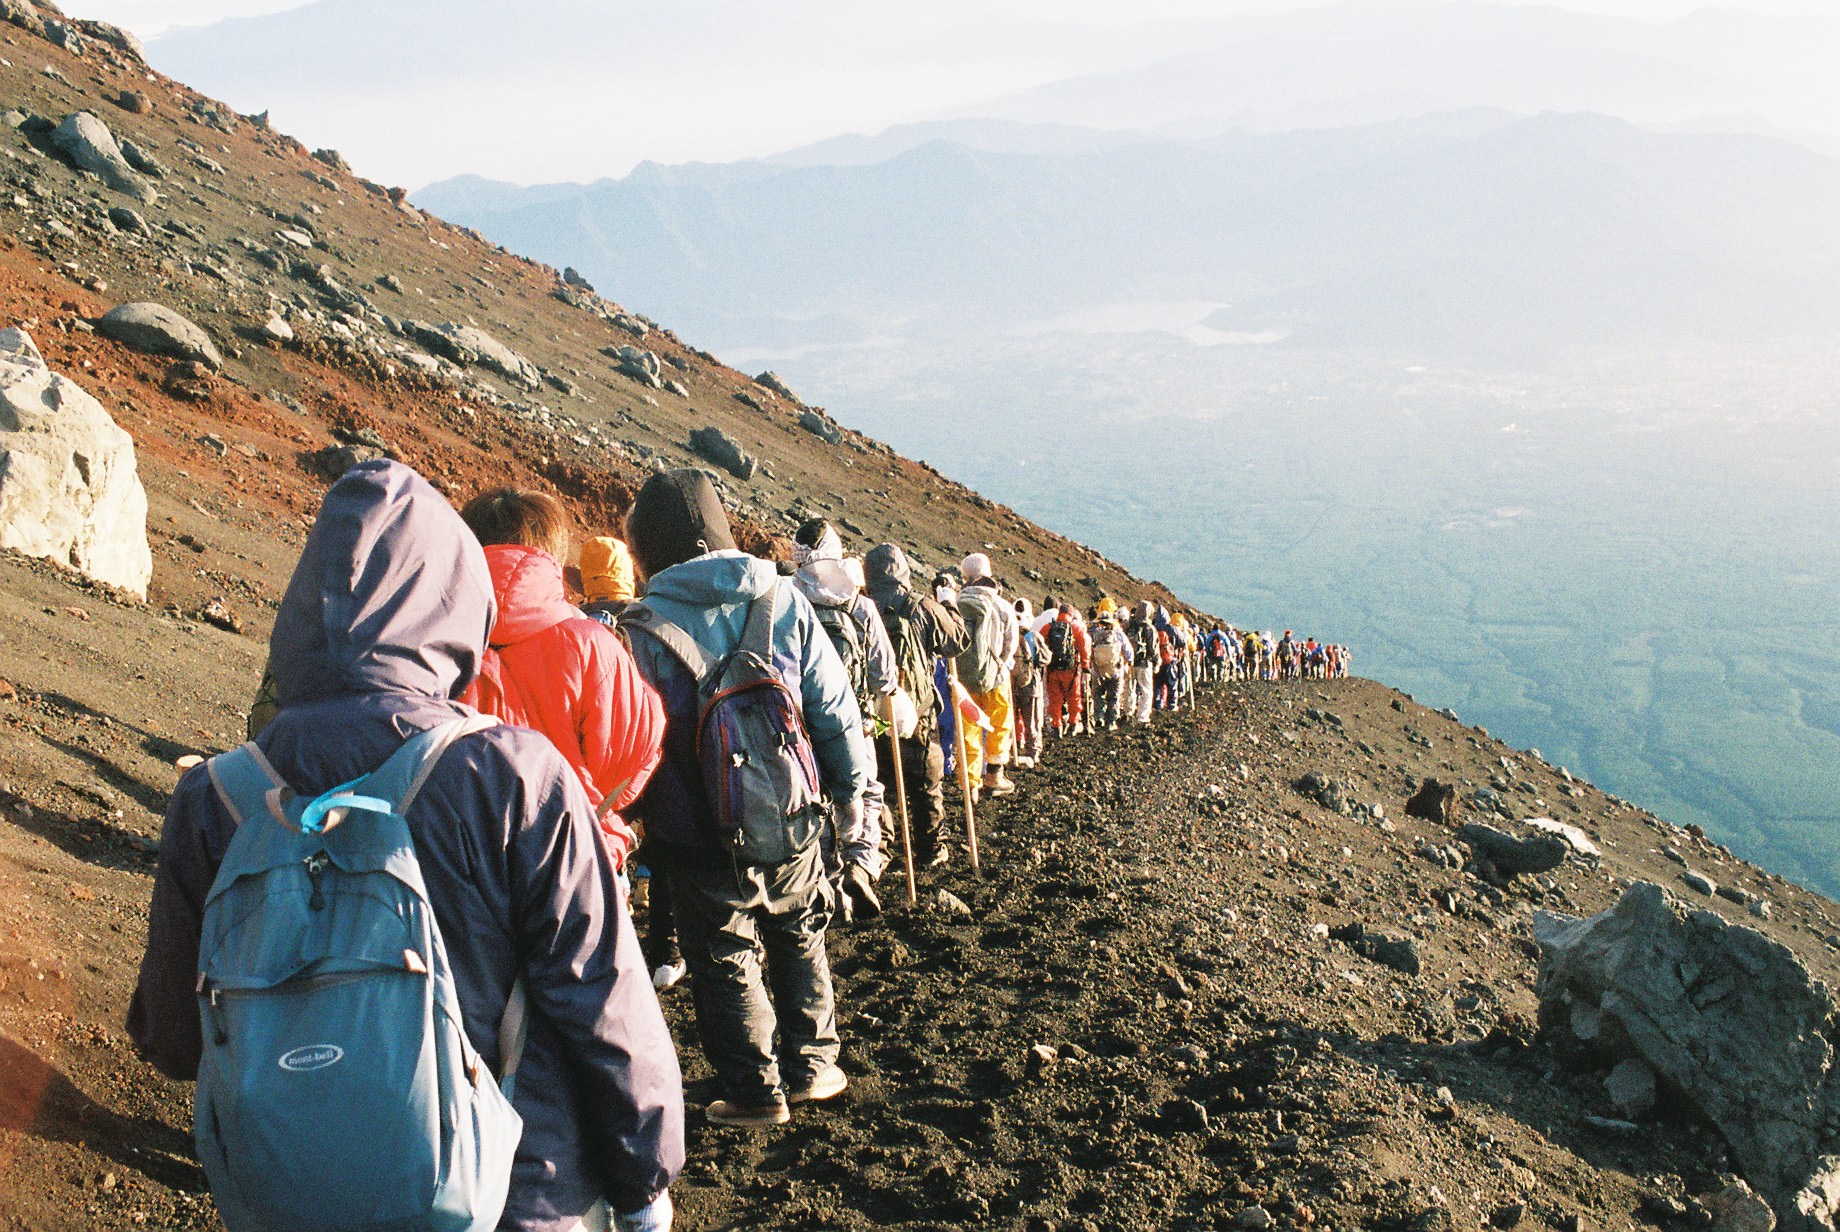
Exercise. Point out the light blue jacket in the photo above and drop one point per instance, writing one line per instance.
(707, 597)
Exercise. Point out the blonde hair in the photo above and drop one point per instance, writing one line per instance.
(512, 515)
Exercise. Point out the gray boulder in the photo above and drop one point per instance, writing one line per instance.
(472, 347)
(774, 382)
(641, 365)
(91, 146)
(820, 427)
(69, 489)
(159, 330)
(720, 448)
(1389, 949)
(1631, 1087)
(1729, 1021)
(1511, 855)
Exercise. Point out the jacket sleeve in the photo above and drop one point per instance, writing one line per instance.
(943, 627)
(621, 727)
(883, 676)
(832, 718)
(163, 1015)
(584, 973)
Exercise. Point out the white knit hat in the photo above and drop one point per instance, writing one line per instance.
(975, 566)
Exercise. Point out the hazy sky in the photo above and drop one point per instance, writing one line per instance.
(150, 17)
(576, 90)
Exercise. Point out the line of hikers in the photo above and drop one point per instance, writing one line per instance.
(390, 937)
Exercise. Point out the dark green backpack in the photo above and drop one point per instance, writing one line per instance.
(913, 660)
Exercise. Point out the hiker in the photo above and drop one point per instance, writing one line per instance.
(745, 865)
(984, 670)
(1141, 682)
(1069, 659)
(606, 579)
(855, 628)
(921, 631)
(382, 626)
(549, 668)
(1111, 663)
(1028, 691)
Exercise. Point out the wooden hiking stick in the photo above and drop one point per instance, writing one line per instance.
(900, 795)
(964, 768)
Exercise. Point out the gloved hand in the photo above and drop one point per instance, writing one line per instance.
(654, 1218)
(859, 890)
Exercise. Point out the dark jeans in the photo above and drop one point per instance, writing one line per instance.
(660, 941)
(753, 938)
(923, 766)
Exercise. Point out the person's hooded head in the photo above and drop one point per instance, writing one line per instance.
(677, 516)
(822, 575)
(391, 594)
(606, 571)
(887, 572)
(1025, 612)
(975, 568)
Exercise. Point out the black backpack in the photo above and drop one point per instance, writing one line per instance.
(913, 660)
(1063, 652)
(1143, 643)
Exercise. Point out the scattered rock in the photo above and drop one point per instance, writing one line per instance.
(1511, 855)
(641, 365)
(1389, 949)
(69, 489)
(1336, 795)
(1434, 801)
(772, 381)
(1253, 1219)
(469, 347)
(1700, 882)
(1631, 1087)
(720, 448)
(275, 329)
(143, 161)
(1579, 841)
(159, 330)
(573, 277)
(217, 613)
(1728, 1019)
(952, 904)
(125, 219)
(820, 427)
(91, 146)
(1739, 1208)
(333, 159)
(134, 102)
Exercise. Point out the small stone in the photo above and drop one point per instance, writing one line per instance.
(1738, 1208)
(1253, 1219)
(1631, 1087)
(1699, 881)
(952, 904)
(1508, 1216)
(1760, 907)
(277, 330)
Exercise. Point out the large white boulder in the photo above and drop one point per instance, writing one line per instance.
(68, 486)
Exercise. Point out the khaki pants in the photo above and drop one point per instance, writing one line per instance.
(988, 751)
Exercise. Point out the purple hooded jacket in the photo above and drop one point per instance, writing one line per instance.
(382, 626)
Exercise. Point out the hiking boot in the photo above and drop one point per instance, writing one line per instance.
(1079, 729)
(1023, 763)
(667, 974)
(998, 784)
(830, 1083)
(745, 1116)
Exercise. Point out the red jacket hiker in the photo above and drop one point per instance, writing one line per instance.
(568, 676)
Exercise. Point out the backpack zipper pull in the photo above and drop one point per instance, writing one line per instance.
(316, 868)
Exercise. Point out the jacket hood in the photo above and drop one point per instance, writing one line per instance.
(676, 517)
(391, 594)
(827, 583)
(887, 571)
(725, 576)
(606, 571)
(527, 585)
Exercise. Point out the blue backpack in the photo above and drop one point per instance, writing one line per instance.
(338, 1089)
(759, 771)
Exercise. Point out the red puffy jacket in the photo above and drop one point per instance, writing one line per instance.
(552, 669)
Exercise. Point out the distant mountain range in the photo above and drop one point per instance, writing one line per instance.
(1476, 234)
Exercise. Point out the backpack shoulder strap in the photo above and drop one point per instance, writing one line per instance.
(757, 634)
(400, 779)
(246, 783)
(682, 646)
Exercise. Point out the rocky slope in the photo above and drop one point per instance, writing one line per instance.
(1162, 909)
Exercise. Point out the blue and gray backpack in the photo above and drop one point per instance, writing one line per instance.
(759, 771)
(338, 1089)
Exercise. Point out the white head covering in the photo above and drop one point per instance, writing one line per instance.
(975, 567)
(828, 547)
(853, 566)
